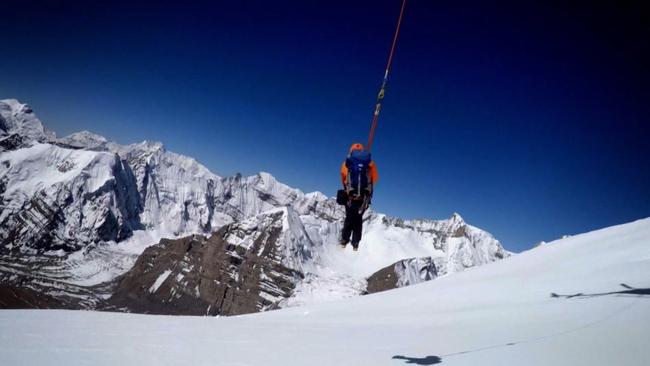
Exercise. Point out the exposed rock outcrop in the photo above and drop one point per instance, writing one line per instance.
(403, 273)
(235, 271)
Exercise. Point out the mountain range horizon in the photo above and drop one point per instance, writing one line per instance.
(106, 221)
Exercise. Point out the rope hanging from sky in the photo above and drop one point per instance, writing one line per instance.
(382, 90)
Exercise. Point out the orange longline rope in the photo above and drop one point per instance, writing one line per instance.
(382, 90)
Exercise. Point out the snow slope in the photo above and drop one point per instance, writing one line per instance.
(41, 166)
(497, 314)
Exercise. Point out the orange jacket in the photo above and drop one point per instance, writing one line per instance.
(372, 168)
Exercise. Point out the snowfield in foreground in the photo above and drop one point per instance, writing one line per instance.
(502, 313)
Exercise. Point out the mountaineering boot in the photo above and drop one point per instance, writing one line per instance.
(355, 246)
(343, 243)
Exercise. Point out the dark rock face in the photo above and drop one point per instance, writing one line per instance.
(37, 213)
(206, 276)
(402, 273)
(12, 142)
(382, 280)
(35, 282)
(12, 297)
(244, 267)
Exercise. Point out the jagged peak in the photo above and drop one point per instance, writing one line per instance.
(88, 135)
(19, 118)
(267, 183)
(85, 139)
(316, 195)
(152, 145)
(456, 218)
(266, 176)
(264, 179)
(15, 106)
(268, 180)
(146, 146)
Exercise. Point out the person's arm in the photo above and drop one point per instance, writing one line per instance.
(374, 175)
(344, 174)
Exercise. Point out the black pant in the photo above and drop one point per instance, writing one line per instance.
(353, 224)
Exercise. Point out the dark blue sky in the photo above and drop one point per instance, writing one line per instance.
(530, 120)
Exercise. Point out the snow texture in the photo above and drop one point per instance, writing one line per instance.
(159, 281)
(558, 304)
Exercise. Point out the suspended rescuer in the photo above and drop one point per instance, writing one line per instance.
(358, 175)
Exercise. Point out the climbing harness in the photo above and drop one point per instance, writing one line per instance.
(382, 90)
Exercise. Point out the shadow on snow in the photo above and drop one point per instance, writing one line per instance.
(629, 291)
(429, 360)
(637, 292)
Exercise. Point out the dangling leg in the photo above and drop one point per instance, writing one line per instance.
(347, 226)
(357, 229)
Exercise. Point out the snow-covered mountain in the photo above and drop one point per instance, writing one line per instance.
(576, 301)
(19, 126)
(85, 208)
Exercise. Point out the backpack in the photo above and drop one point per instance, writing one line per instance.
(358, 163)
